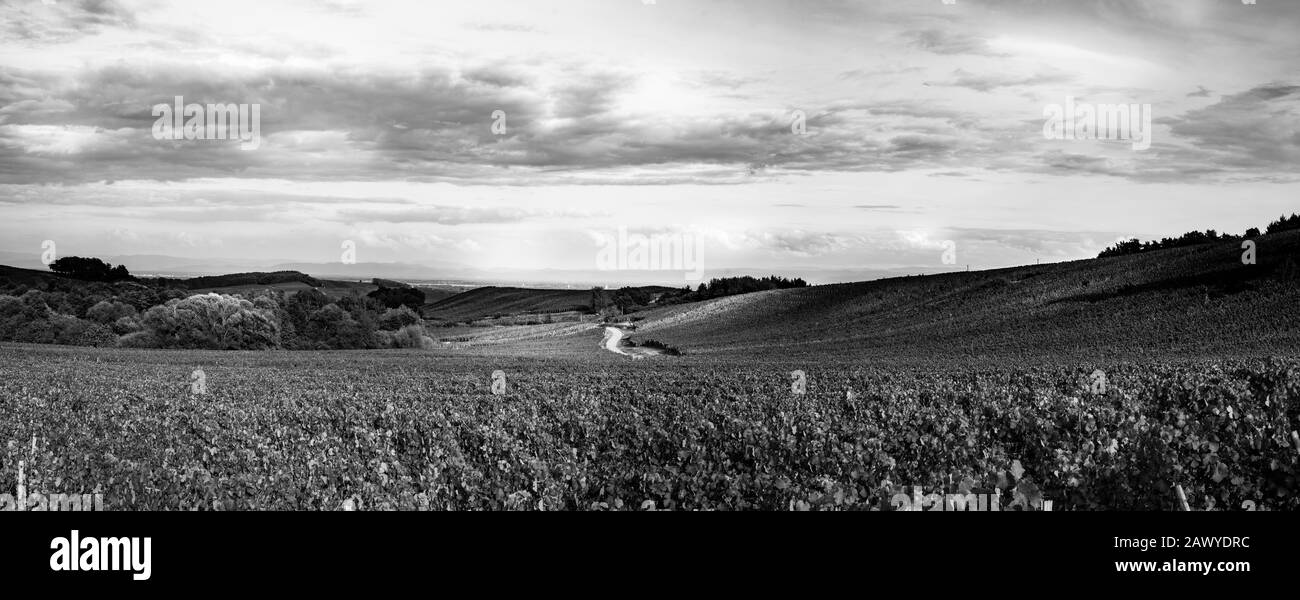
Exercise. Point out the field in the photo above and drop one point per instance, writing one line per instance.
(1115, 383)
(592, 430)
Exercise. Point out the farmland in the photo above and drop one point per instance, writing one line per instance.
(406, 429)
(1114, 383)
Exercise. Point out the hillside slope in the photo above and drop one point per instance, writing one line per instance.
(19, 275)
(490, 301)
(1189, 301)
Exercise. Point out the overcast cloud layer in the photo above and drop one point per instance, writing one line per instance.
(922, 123)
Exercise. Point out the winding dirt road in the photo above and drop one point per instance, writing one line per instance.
(613, 337)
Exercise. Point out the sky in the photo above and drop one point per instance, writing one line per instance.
(807, 138)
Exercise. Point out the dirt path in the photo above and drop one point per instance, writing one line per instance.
(613, 337)
(614, 343)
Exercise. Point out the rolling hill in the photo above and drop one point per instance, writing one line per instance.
(1182, 301)
(1197, 301)
(494, 301)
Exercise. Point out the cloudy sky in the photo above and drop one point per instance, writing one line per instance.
(923, 122)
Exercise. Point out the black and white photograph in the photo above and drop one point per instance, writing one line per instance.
(762, 256)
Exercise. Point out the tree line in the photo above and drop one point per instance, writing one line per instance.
(629, 299)
(1196, 238)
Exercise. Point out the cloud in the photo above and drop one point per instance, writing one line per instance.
(799, 242)
(445, 215)
(66, 20)
(1038, 241)
(945, 42)
(988, 82)
(1259, 127)
(502, 27)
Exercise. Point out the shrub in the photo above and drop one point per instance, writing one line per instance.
(106, 312)
(396, 318)
(34, 332)
(126, 325)
(412, 336)
(665, 348)
(95, 334)
(214, 321)
(333, 327)
(139, 339)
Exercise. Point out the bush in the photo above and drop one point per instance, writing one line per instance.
(34, 332)
(412, 336)
(126, 325)
(333, 327)
(139, 339)
(396, 318)
(67, 329)
(665, 348)
(213, 321)
(96, 334)
(107, 312)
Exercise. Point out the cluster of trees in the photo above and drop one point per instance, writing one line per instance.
(1195, 238)
(1284, 224)
(27, 318)
(312, 321)
(393, 297)
(305, 320)
(233, 279)
(67, 311)
(132, 314)
(620, 301)
(730, 286)
(630, 299)
(89, 269)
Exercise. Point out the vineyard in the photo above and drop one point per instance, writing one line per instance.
(416, 430)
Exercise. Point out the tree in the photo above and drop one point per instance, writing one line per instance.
(89, 269)
(599, 299)
(297, 310)
(1284, 224)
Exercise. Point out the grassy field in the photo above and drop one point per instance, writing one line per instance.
(427, 430)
